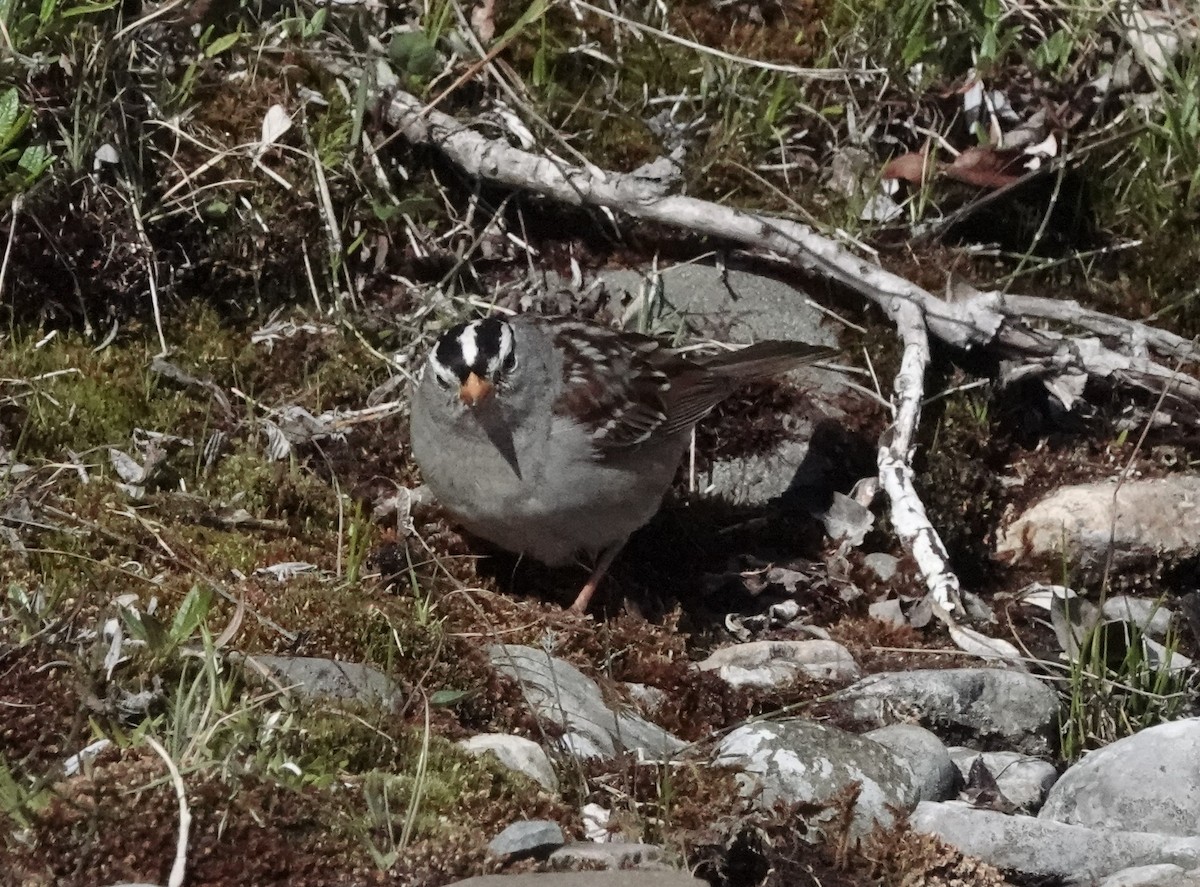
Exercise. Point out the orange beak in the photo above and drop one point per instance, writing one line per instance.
(475, 390)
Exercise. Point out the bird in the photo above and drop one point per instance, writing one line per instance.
(554, 437)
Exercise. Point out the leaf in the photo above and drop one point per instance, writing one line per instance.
(87, 9)
(8, 114)
(316, 24)
(275, 123)
(221, 44)
(984, 647)
(191, 613)
(443, 698)
(126, 466)
(144, 627)
(12, 119)
(532, 13)
(912, 167)
(34, 161)
(986, 167)
(1073, 619)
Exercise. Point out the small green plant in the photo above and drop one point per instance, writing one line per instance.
(358, 543)
(1116, 687)
(163, 640)
(20, 168)
(19, 801)
(31, 612)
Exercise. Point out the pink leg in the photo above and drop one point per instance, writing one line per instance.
(603, 562)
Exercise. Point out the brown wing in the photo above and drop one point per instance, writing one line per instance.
(653, 390)
(709, 381)
(628, 406)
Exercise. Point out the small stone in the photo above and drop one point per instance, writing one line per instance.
(1012, 707)
(1165, 875)
(1154, 518)
(1145, 782)
(1148, 615)
(884, 566)
(316, 678)
(562, 694)
(799, 761)
(778, 664)
(613, 855)
(888, 612)
(527, 837)
(1037, 846)
(517, 753)
(1022, 779)
(635, 878)
(935, 777)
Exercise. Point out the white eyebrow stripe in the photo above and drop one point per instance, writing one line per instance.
(468, 346)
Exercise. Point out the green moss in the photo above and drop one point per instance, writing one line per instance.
(69, 397)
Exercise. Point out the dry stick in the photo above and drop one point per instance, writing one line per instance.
(970, 321)
(12, 231)
(179, 868)
(894, 461)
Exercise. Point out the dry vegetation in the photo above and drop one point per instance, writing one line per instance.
(184, 280)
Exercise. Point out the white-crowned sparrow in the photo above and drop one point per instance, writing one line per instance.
(551, 437)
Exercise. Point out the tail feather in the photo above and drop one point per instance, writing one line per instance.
(767, 358)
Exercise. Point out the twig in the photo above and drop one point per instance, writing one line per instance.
(12, 231)
(179, 868)
(970, 321)
(894, 461)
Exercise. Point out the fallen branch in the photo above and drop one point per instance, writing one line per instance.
(894, 461)
(971, 320)
(179, 867)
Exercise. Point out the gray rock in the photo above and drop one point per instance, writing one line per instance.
(527, 838)
(633, 878)
(316, 678)
(1146, 782)
(1036, 846)
(1165, 875)
(884, 566)
(1011, 707)
(1022, 779)
(888, 612)
(517, 753)
(650, 699)
(1146, 613)
(934, 775)
(740, 306)
(803, 761)
(563, 695)
(778, 664)
(1154, 518)
(609, 855)
(747, 306)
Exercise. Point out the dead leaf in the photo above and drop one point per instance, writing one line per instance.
(912, 167)
(986, 167)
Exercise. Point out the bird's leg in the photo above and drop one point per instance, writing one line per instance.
(603, 562)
